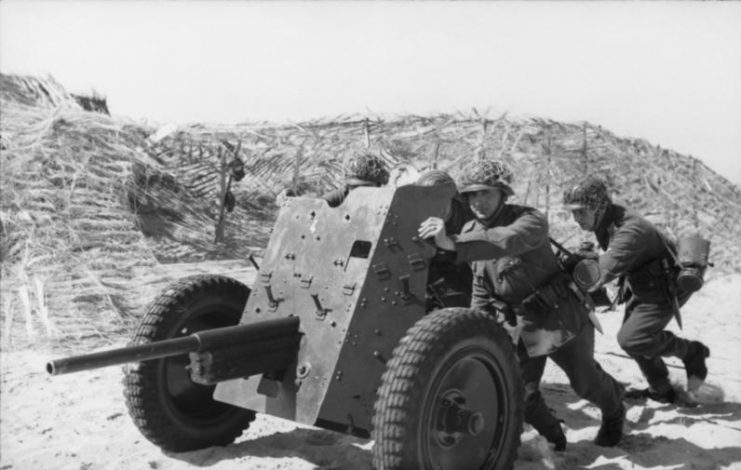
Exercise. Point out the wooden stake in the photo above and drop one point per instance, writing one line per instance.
(26, 301)
(219, 235)
(547, 172)
(367, 133)
(297, 168)
(696, 183)
(584, 148)
(43, 311)
(435, 155)
(8, 309)
(482, 149)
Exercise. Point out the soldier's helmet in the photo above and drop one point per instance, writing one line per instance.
(486, 174)
(437, 178)
(365, 169)
(591, 193)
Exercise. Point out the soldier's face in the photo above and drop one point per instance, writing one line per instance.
(485, 202)
(585, 217)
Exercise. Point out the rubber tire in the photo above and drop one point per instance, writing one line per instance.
(419, 364)
(196, 302)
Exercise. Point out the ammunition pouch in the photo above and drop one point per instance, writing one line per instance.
(650, 282)
(542, 301)
(552, 315)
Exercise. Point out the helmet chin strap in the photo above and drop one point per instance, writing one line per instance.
(499, 206)
(598, 216)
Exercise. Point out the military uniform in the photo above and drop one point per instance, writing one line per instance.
(641, 256)
(515, 261)
(515, 269)
(635, 249)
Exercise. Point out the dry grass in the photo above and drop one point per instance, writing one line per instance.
(89, 202)
(66, 232)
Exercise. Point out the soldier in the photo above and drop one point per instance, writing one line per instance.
(360, 169)
(638, 254)
(517, 276)
(448, 282)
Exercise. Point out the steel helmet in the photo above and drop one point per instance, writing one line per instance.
(591, 193)
(487, 174)
(365, 169)
(437, 178)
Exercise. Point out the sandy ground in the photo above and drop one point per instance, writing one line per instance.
(80, 421)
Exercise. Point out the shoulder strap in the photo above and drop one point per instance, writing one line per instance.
(669, 248)
(559, 247)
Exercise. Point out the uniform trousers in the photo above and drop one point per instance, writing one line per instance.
(589, 381)
(643, 337)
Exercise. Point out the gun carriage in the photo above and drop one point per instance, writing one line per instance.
(333, 333)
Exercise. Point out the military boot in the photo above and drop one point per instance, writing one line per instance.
(694, 364)
(555, 436)
(611, 431)
(667, 396)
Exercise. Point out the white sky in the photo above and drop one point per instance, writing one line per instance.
(667, 72)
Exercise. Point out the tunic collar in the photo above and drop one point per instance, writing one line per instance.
(606, 227)
(491, 221)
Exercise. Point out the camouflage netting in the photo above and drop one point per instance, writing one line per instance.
(91, 202)
(679, 193)
(68, 240)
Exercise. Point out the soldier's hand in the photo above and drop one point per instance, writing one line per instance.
(434, 227)
(569, 261)
(587, 254)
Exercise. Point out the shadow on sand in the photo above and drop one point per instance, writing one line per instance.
(640, 447)
(326, 449)
(643, 447)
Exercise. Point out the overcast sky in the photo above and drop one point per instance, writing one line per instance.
(666, 72)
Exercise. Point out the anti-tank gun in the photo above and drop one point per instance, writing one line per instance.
(333, 333)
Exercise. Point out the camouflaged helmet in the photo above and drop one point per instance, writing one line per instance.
(437, 178)
(487, 174)
(591, 194)
(365, 169)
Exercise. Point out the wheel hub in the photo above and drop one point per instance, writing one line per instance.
(455, 420)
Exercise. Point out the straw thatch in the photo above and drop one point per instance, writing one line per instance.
(92, 205)
(68, 240)
(678, 192)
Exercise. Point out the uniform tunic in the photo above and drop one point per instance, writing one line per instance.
(512, 258)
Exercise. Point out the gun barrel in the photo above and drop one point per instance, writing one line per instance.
(143, 352)
(200, 341)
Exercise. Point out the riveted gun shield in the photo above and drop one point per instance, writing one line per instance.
(333, 333)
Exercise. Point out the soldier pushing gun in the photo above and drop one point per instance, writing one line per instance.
(638, 254)
(515, 269)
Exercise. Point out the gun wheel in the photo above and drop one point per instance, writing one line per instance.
(168, 408)
(451, 396)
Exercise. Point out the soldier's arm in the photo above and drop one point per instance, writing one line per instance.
(479, 294)
(527, 232)
(621, 256)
